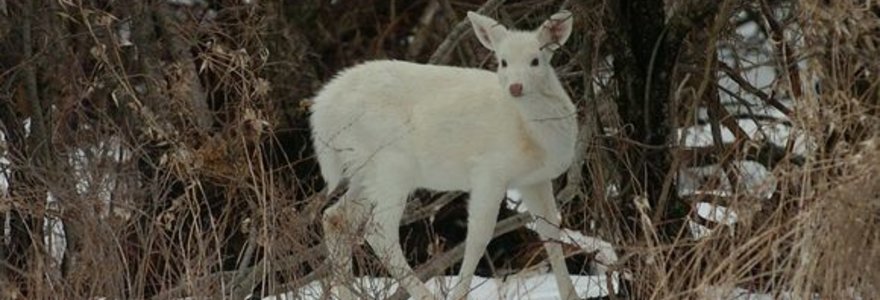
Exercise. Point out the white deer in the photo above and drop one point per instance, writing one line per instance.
(390, 127)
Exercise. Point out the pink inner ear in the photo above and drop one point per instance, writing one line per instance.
(555, 29)
(484, 34)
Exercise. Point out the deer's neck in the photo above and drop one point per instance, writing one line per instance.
(551, 121)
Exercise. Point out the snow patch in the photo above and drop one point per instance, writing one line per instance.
(777, 133)
(538, 287)
(514, 201)
(753, 179)
(605, 255)
(124, 33)
(53, 230)
(698, 231)
(716, 213)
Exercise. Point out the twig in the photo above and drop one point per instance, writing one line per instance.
(39, 133)
(763, 152)
(244, 278)
(424, 29)
(241, 283)
(786, 53)
(287, 262)
(717, 115)
(413, 214)
(744, 84)
(574, 175)
(180, 50)
(442, 54)
(588, 126)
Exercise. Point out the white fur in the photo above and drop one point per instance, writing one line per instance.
(392, 127)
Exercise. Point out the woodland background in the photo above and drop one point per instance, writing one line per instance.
(160, 149)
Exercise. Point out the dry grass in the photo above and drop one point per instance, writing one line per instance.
(194, 144)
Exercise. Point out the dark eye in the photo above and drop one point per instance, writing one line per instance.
(535, 62)
(504, 63)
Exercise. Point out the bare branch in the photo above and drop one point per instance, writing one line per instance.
(742, 82)
(783, 49)
(424, 29)
(413, 213)
(180, 49)
(458, 32)
(39, 134)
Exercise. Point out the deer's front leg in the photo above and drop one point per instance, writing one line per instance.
(541, 203)
(485, 200)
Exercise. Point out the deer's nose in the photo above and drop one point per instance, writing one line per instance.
(516, 89)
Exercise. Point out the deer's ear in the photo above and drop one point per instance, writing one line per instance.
(555, 31)
(488, 31)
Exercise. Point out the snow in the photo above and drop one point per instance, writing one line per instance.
(4, 185)
(712, 213)
(697, 230)
(716, 213)
(514, 201)
(536, 287)
(753, 178)
(527, 285)
(734, 294)
(188, 2)
(83, 161)
(4, 164)
(767, 124)
(747, 30)
(55, 239)
(605, 255)
(776, 133)
(605, 251)
(737, 293)
(124, 34)
(86, 162)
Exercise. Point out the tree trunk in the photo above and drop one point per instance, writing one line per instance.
(642, 71)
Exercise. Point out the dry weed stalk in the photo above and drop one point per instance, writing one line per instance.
(200, 177)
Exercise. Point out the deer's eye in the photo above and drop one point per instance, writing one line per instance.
(504, 63)
(535, 62)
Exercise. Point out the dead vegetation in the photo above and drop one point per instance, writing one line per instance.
(172, 139)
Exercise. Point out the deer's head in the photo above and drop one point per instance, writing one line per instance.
(523, 56)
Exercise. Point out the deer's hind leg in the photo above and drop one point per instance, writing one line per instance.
(341, 223)
(388, 194)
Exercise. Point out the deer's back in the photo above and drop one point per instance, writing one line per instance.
(441, 125)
